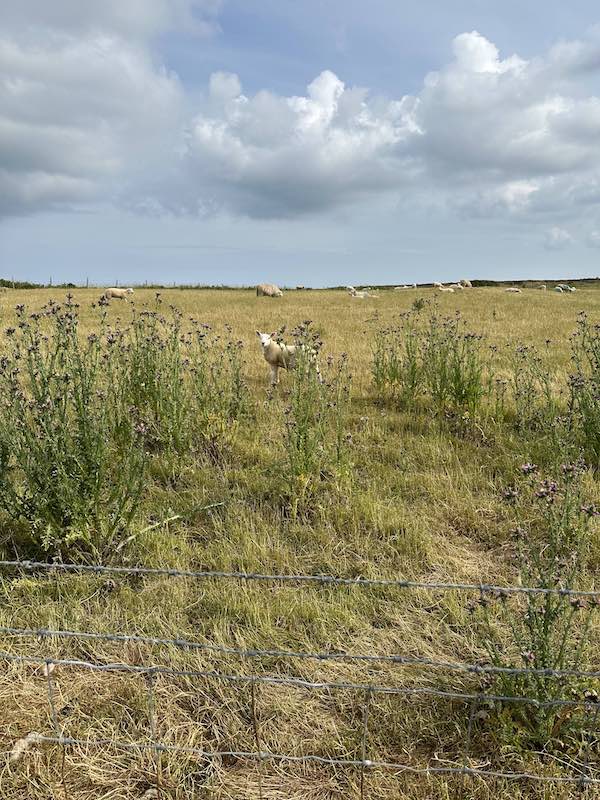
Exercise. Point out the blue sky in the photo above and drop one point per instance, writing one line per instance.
(236, 141)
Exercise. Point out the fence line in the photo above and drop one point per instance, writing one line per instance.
(582, 779)
(583, 771)
(186, 644)
(300, 683)
(484, 588)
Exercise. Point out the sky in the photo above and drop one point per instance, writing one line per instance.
(315, 143)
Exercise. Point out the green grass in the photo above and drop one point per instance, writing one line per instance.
(420, 497)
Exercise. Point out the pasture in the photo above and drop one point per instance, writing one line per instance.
(429, 455)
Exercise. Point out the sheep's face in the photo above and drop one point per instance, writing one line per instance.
(130, 291)
(265, 338)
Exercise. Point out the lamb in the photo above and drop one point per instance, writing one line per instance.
(268, 290)
(465, 283)
(513, 289)
(448, 289)
(120, 294)
(280, 356)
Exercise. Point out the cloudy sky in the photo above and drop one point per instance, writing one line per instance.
(319, 142)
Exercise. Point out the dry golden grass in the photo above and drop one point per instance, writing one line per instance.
(423, 504)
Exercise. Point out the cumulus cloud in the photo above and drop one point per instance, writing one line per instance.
(79, 118)
(557, 239)
(87, 113)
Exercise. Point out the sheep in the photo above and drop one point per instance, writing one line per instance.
(448, 289)
(437, 285)
(543, 287)
(120, 294)
(466, 283)
(268, 290)
(457, 286)
(360, 294)
(558, 289)
(513, 289)
(281, 356)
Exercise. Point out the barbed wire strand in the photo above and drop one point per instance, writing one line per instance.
(324, 760)
(302, 683)
(186, 644)
(101, 569)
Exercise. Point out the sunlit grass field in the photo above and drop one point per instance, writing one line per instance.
(422, 500)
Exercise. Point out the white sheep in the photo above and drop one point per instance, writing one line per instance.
(447, 289)
(558, 289)
(120, 294)
(543, 287)
(281, 356)
(513, 289)
(437, 285)
(466, 283)
(360, 294)
(268, 290)
(458, 286)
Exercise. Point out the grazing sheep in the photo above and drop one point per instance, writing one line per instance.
(360, 294)
(268, 290)
(558, 289)
(465, 283)
(513, 289)
(279, 356)
(120, 294)
(445, 289)
(543, 287)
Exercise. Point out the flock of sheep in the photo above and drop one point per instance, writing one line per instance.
(281, 356)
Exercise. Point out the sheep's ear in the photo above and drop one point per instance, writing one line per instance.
(258, 334)
(273, 335)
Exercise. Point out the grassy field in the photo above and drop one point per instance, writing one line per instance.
(420, 494)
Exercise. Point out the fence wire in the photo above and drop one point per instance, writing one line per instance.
(325, 580)
(583, 777)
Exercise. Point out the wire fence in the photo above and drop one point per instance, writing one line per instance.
(582, 772)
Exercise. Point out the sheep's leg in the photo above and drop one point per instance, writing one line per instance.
(274, 375)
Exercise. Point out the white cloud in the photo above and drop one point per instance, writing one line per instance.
(87, 113)
(557, 239)
(79, 118)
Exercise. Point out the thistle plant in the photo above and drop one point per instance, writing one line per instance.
(549, 630)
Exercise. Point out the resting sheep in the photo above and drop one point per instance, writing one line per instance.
(268, 290)
(543, 287)
(513, 289)
(437, 285)
(447, 289)
(279, 356)
(120, 294)
(360, 294)
(465, 283)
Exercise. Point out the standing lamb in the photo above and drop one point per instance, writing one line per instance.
(279, 356)
(268, 290)
(120, 294)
